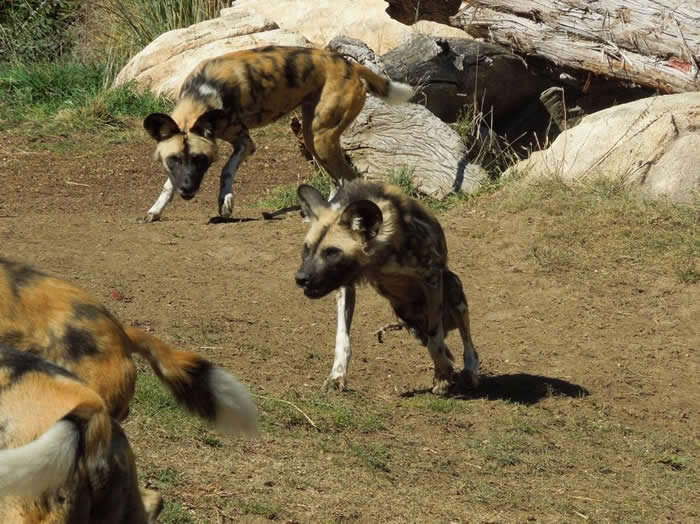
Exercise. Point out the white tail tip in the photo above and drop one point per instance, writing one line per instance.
(41, 465)
(399, 93)
(235, 410)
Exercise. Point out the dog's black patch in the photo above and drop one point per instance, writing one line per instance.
(254, 85)
(82, 311)
(290, 70)
(21, 362)
(20, 275)
(195, 393)
(11, 338)
(79, 343)
(307, 67)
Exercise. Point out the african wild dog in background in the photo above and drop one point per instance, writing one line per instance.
(58, 321)
(374, 233)
(224, 97)
(63, 459)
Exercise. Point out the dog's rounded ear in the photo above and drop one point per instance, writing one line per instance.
(311, 200)
(210, 124)
(160, 126)
(363, 216)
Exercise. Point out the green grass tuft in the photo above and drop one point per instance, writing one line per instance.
(174, 513)
(59, 97)
(153, 402)
(286, 195)
(375, 456)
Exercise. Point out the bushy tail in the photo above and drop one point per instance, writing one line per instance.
(47, 462)
(391, 92)
(202, 387)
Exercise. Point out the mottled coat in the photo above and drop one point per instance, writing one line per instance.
(58, 321)
(226, 96)
(376, 234)
(63, 459)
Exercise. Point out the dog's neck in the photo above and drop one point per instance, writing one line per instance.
(190, 108)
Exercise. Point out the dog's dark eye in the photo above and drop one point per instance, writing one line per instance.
(201, 161)
(332, 253)
(172, 161)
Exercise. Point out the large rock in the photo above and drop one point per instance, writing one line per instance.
(322, 20)
(653, 143)
(387, 138)
(163, 65)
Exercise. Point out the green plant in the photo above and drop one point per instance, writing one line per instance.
(123, 27)
(284, 196)
(33, 30)
(69, 95)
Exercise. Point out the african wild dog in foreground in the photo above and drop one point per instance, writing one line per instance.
(63, 459)
(58, 321)
(224, 97)
(375, 233)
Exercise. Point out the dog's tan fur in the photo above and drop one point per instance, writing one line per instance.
(226, 96)
(84, 472)
(375, 233)
(50, 317)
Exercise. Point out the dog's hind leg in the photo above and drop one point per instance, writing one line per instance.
(243, 146)
(443, 361)
(442, 358)
(456, 301)
(345, 301)
(338, 105)
(165, 197)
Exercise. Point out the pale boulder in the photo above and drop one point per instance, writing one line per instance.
(321, 20)
(652, 143)
(164, 64)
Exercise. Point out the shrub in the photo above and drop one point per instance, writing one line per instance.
(34, 30)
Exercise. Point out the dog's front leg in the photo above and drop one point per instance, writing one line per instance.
(243, 146)
(345, 301)
(166, 195)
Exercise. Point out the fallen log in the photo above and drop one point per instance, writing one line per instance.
(651, 43)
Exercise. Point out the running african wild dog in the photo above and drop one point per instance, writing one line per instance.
(63, 459)
(224, 97)
(374, 233)
(58, 321)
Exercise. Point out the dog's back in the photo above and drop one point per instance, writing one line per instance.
(260, 85)
(62, 458)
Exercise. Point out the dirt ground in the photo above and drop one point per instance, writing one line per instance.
(588, 409)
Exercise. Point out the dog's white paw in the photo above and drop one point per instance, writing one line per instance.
(441, 386)
(150, 217)
(335, 383)
(226, 206)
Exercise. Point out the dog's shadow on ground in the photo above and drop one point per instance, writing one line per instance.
(230, 220)
(521, 388)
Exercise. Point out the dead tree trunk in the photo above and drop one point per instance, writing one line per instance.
(653, 43)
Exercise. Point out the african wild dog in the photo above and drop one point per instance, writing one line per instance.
(224, 97)
(58, 321)
(63, 459)
(375, 233)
